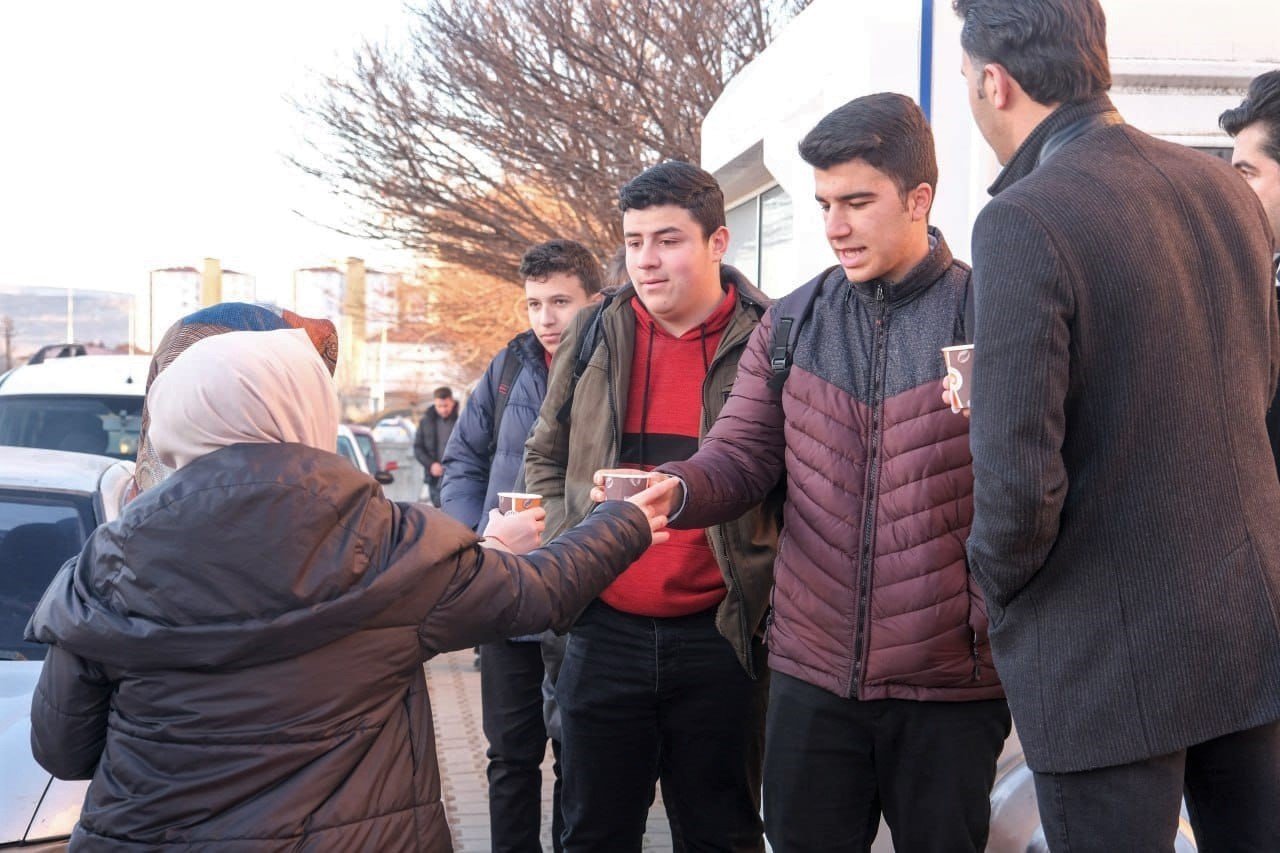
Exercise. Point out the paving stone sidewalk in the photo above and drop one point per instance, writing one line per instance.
(454, 683)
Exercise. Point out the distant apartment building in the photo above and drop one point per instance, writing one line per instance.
(175, 292)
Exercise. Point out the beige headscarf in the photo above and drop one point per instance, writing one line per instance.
(242, 388)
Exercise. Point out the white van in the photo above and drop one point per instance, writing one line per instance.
(86, 404)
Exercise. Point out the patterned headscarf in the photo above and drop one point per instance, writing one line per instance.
(217, 320)
(242, 388)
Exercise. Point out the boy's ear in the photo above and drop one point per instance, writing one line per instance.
(719, 242)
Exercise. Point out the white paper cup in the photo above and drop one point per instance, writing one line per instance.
(622, 483)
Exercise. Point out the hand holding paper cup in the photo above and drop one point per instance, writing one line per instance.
(619, 484)
(959, 361)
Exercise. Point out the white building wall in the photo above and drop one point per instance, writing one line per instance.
(1176, 65)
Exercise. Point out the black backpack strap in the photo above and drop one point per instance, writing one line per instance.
(790, 314)
(587, 346)
(506, 380)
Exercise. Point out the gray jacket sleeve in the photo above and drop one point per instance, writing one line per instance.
(69, 715)
(1023, 309)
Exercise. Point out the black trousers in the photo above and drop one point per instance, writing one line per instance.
(833, 765)
(1232, 786)
(511, 702)
(642, 699)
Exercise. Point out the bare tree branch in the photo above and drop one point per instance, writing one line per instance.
(510, 122)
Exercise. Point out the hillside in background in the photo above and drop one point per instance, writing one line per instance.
(39, 317)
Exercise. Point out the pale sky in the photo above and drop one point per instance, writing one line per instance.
(139, 135)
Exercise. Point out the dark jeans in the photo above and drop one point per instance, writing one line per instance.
(511, 699)
(832, 765)
(1232, 786)
(433, 490)
(642, 699)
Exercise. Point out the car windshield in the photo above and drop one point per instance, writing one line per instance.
(107, 426)
(38, 533)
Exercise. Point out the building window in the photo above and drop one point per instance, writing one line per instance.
(760, 234)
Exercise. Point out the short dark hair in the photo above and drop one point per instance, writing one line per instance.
(1261, 104)
(886, 131)
(680, 184)
(444, 392)
(566, 256)
(1055, 49)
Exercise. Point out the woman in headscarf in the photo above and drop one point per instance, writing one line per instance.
(237, 660)
(207, 322)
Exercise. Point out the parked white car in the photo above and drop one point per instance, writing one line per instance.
(50, 501)
(348, 448)
(85, 404)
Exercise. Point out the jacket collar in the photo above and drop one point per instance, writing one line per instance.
(1061, 126)
(921, 276)
(749, 296)
(530, 350)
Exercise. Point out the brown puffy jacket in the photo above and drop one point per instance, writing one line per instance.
(237, 660)
(872, 596)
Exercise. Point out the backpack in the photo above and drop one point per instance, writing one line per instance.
(590, 337)
(792, 311)
(506, 380)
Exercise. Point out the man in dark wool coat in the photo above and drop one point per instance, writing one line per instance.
(1125, 535)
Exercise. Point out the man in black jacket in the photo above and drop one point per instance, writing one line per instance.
(1255, 125)
(432, 437)
(1125, 497)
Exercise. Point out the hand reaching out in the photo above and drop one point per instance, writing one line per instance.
(518, 533)
(657, 501)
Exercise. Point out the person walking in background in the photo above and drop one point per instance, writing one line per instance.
(1255, 125)
(883, 697)
(237, 660)
(664, 675)
(432, 437)
(1125, 496)
(485, 456)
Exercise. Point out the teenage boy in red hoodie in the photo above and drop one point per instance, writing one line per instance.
(663, 675)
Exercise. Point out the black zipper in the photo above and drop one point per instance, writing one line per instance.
(866, 560)
(977, 661)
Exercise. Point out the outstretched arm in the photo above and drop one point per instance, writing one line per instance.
(494, 594)
(741, 459)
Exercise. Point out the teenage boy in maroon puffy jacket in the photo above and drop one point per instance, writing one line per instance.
(884, 697)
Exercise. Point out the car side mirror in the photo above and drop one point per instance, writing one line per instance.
(386, 478)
